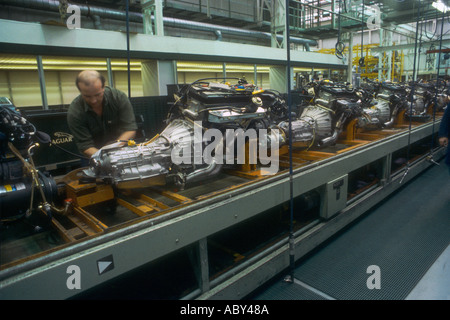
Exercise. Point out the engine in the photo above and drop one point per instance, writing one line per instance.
(420, 99)
(323, 121)
(22, 187)
(207, 129)
(215, 125)
(386, 102)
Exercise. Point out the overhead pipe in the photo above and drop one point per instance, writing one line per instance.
(86, 10)
(97, 22)
(201, 26)
(136, 17)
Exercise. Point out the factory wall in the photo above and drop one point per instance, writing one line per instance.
(22, 86)
(189, 77)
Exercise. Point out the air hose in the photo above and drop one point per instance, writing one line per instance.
(340, 46)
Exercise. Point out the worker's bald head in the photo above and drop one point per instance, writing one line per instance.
(92, 86)
(88, 78)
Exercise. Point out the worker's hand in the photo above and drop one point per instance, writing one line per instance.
(443, 141)
(447, 99)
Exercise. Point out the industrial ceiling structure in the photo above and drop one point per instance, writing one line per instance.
(229, 23)
(310, 19)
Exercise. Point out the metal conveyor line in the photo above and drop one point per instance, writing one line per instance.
(403, 236)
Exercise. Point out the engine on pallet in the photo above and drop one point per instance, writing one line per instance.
(424, 99)
(23, 189)
(204, 134)
(212, 124)
(420, 97)
(382, 103)
(207, 129)
(321, 122)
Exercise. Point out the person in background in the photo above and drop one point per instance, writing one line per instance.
(444, 132)
(100, 115)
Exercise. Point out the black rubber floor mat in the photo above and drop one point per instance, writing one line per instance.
(288, 291)
(403, 236)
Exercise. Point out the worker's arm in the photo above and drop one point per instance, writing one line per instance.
(444, 128)
(90, 151)
(127, 135)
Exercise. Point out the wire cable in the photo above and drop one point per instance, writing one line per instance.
(128, 47)
(290, 277)
(340, 46)
(412, 97)
(361, 60)
(430, 158)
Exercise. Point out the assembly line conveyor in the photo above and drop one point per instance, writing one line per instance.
(108, 235)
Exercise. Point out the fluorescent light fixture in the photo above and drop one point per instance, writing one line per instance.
(439, 5)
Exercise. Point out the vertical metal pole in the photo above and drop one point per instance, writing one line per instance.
(110, 74)
(208, 9)
(386, 169)
(412, 99)
(438, 82)
(175, 71)
(255, 74)
(380, 59)
(42, 82)
(333, 15)
(290, 277)
(8, 80)
(204, 268)
(224, 70)
(198, 256)
(61, 96)
(350, 59)
(128, 47)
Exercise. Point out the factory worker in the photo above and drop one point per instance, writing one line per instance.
(444, 132)
(99, 115)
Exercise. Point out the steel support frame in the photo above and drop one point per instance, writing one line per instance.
(265, 269)
(42, 82)
(46, 39)
(153, 8)
(385, 61)
(277, 19)
(139, 244)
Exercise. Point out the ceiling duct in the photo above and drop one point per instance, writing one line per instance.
(108, 13)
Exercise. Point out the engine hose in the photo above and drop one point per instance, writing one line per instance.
(340, 47)
(361, 62)
(313, 139)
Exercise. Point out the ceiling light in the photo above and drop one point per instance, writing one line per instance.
(439, 5)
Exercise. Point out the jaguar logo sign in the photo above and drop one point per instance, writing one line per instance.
(61, 137)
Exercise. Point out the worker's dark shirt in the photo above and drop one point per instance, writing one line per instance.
(91, 130)
(444, 130)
